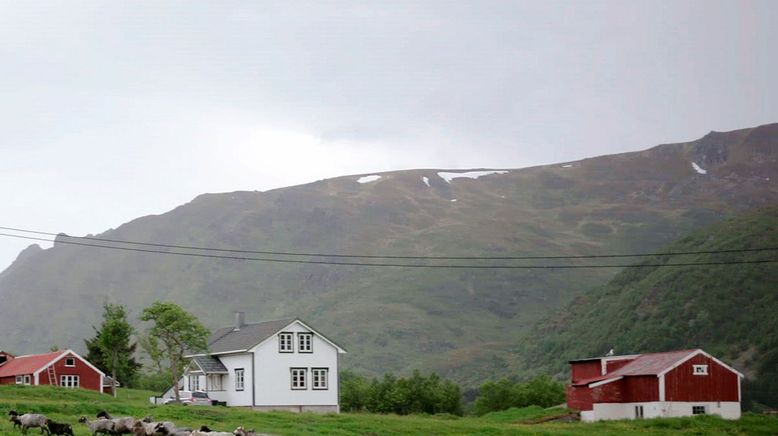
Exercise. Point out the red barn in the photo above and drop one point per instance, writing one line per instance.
(59, 368)
(676, 383)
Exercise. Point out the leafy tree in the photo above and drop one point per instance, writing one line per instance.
(174, 333)
(111, 348)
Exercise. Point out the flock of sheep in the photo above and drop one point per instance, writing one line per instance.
(107, 425)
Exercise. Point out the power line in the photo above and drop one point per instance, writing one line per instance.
(336, 255)
(395, 265)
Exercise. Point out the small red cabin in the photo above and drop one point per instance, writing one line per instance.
(676, 383)
(58, 368)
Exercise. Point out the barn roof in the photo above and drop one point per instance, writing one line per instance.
(23, 365)
(650, 364)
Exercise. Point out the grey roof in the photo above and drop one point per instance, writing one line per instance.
(228, 339)
(210, 364)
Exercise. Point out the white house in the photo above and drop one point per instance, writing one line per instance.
(272, 365)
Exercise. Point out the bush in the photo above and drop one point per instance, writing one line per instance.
(157, 381)
(404, 396)
(503, 394)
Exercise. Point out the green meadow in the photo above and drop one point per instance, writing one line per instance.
(67, 405)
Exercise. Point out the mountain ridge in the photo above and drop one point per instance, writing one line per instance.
(454, 322)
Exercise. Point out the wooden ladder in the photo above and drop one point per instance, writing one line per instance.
(52, 376)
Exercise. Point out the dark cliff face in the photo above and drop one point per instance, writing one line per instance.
(460, 322)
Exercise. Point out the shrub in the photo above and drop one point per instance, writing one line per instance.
(503, 394)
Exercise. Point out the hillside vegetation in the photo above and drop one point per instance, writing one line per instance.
(728, 310)
(67, 405)
(461, 323)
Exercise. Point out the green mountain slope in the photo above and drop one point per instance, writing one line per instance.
(728, 310)
(462, 323)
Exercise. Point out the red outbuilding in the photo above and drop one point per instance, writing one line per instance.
(58, 368)
(675, 383)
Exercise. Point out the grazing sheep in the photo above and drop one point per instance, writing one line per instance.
(59, 429)
(104, 414)
(33, 420)
(102, 425)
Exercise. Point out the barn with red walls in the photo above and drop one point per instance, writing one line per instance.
(676, 383)
(59, 368)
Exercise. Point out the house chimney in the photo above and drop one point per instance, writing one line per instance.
(240, 320)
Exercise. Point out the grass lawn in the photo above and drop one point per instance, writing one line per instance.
(65, 405)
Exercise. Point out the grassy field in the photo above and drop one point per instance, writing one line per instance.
(67, 405)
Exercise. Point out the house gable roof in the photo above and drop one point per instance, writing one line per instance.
(324, 338)
(230, 340)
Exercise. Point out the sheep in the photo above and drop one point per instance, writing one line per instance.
(210, 433)
(123, 425)
(33, 420)
(164, 428)
(102, 425)
(143, 428)
(146, 427)
(16, 421)
(204, 431)
(240, 431)
(104, 414)
(59, 429)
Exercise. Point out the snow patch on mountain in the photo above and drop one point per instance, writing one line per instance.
(368, 179)
(448, 176)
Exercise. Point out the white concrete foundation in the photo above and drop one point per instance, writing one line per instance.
(659, 409)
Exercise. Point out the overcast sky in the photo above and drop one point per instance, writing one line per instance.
(113, 110)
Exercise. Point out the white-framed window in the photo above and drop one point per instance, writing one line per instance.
(700, 370)
(698, 410)
(320, 378)
(214, 382)
(69, 381)
(194, 383)
(70, 362)
(298, 378)
(23, 379)
(239, 379)
(305, 342)
(638, 412)
(285, 343)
